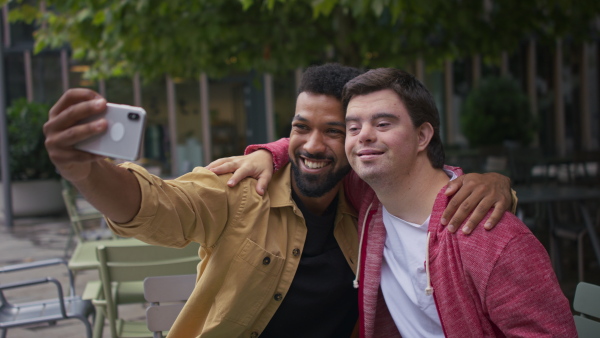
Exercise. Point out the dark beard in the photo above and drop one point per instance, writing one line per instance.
(311, 185)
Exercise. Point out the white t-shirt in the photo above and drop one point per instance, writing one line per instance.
(404, 279)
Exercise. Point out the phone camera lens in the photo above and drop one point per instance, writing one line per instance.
(133, 116)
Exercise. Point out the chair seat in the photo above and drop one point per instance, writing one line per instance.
(43, 311)
(84, 255)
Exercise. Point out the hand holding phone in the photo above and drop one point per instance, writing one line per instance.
(123, 136)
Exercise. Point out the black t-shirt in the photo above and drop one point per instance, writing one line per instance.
(321, 301)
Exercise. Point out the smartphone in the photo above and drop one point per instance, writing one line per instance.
(123, 137)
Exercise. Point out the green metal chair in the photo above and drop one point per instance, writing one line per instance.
(80, 212)
(124, 268)
(587, 303)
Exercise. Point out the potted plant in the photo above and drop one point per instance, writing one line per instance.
(497, 112)
(36, 188)
(495, 117)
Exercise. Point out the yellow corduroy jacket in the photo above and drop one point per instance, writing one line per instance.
(236, 293)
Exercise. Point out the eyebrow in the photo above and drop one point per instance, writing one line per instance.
(332, 123)
(373, 117)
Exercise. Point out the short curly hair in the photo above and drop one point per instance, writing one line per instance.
(328, 79)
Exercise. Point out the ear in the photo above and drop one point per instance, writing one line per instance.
(425, 133)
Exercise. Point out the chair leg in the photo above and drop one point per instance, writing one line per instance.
(88, 326)
(4, 333)
(580, 255)
(554, 254)
(69, 242)
(98, 323)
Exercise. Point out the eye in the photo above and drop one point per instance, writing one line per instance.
(383, 124)
(335, 131)
(300, 127)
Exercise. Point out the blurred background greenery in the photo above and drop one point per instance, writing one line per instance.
(217, 75)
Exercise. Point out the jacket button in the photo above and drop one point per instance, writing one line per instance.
(278, 296)
(266, 261)
(254, 334)
(296, 252)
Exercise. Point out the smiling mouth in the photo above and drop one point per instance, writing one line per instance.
(369, 153)
(310, 164)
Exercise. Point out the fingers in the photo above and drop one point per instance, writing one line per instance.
(221, 166)
(70, 136)
(453, 187)
(495, 216)
(263, 183)
(458, 209)
(64, 129)
(476, 194)
(73, 114)
(476, 217)
(236, 178)
(72, 97)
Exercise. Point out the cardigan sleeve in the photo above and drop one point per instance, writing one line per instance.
(279, 150)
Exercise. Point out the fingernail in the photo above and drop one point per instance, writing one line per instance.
(444, 221)
(451, 228)
(229, 182)
(98, 103)
(97, 125)
(488, 225)
(466, 229)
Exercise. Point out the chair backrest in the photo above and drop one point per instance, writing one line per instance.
(587, 303)
(167, 296)
(135, 263)
(77, 214)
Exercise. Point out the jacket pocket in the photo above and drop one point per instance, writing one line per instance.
(249, 284)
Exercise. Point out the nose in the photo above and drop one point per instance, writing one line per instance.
(314, 144)
(366, 134)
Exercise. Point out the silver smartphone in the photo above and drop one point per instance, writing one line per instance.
(123, 137)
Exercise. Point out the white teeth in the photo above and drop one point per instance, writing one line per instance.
(314, 165)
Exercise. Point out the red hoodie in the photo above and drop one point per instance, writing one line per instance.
(488, 284)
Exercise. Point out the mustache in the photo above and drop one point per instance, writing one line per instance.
(318, 156)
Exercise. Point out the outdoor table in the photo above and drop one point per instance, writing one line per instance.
(547, 194)
(555, 193)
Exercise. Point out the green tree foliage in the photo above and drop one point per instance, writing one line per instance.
(28, 157)
(497, 111)
(183, 38)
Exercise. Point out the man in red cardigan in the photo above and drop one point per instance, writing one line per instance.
(415, 278)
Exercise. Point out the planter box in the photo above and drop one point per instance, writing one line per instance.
(35, 198)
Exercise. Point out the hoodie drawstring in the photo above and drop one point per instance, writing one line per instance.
(429, 288)
(362, 236)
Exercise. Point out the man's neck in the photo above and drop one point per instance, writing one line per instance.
(411, 196)
(317, 205)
